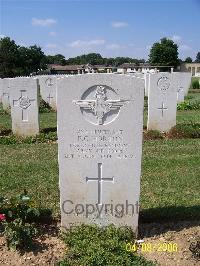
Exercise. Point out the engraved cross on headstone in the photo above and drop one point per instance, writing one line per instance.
(163, 108)
(49, 98)
(100, 179)
(24, 103)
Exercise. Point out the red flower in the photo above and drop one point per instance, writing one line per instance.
(2, 217)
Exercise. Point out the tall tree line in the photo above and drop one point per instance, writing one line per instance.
(16, 60)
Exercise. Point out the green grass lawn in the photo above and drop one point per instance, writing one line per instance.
(170, 175)
(46, 120)
(170, 171)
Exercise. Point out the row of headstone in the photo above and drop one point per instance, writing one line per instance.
(21, 95)
(182, 79)
(100, 126)
(48, 87)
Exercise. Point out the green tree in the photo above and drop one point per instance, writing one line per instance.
(36, 58)
(9, 58)
(188, 60)
(18, 60)
(198, 58)
(58, 59)
(32, 59)
(97, 59)
(164, 53)
(92, 58)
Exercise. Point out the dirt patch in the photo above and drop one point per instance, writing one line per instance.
(49, 249)
(182, 234)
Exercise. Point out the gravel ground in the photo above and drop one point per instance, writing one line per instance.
(181, 233)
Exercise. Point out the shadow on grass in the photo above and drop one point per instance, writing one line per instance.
(38, 245)
(156, 221)
(5, 132)
(47, 130)
(170, 213)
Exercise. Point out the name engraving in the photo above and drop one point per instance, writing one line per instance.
(99, 144)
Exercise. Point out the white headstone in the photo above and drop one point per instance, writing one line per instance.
(24, 106)
(162, 99)
(100, 123)
(48, 90)
(178, 76)
(183, 84)
(5, 83)
(187, 81)
(146, 83)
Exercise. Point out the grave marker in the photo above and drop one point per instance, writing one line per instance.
(162, 97)
(146, 82)
(183, 84)
(24, 106)
(48, 90)
(100, 123)
(6, 93)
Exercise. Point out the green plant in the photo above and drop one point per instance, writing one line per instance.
(191, 130)
(44, 107)
(4, 112)
(94, 246)
(43, 137)
(195, 84)
(153, 134)
(19, 216)
(24, 208)
(19, 234)
(189, 105)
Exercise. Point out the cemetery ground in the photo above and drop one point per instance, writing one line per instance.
(170, 185)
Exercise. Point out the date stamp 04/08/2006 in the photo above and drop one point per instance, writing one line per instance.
(150, 247)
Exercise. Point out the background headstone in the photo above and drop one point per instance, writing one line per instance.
(184, 82)
(6, 93)
(48, 90)
(187, 78)
(146, 83)
(162, 99)
(24, 106)
(100, 124)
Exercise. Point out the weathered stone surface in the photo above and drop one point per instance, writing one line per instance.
(162, 99)
(24, 106)
(5, 84)
(183, 80)
(146, 83)
(48, 89)
(100, 124)
(186, 77)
